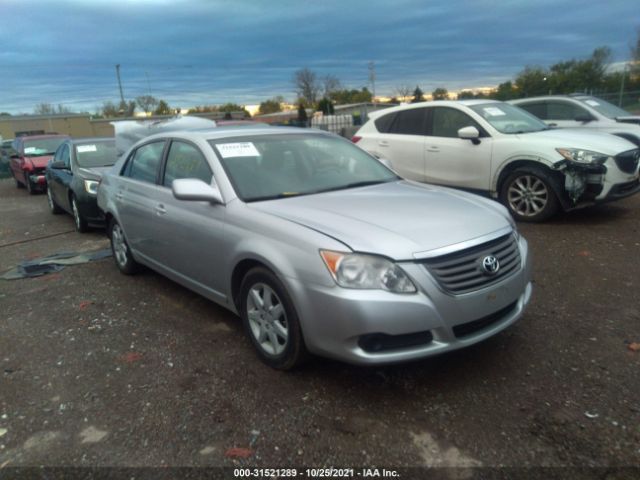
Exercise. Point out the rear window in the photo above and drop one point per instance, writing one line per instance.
(410, 122)
(383, 124)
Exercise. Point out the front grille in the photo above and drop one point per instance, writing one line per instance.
(476, 325)
(462, 271)
(628, 161)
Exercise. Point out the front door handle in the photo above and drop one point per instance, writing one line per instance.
(160, 210)
(433, 149)
(383, 143)
(119, 196)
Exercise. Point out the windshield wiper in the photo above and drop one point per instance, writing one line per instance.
(355, 185)
(275, 197)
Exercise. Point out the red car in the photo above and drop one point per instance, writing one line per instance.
(28, 162)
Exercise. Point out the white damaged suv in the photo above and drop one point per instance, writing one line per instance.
(495, 148)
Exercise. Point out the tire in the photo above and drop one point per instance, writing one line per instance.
(270, 320)
(528, 194)
(53, 206)
(27, 183)
(80, 223)
(120, 249)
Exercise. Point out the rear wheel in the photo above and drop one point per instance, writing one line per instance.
(53, 206)
(270, 320)
(81, 223)
(528, 194)
(120, 249)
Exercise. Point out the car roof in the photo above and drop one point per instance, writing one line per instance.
(231, 131)
(434, 103)
(76, 141)
(40, 137)
(573, 96)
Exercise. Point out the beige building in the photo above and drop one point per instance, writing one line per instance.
(77, 125)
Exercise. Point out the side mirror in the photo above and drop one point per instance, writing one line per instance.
(470, 133)
(192, 189)
(59, 165)
(584, 118)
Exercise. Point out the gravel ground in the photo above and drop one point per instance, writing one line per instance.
(101, 369)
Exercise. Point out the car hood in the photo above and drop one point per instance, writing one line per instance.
(94, 172)
(586, 140)
(397, 219)
(40, 162)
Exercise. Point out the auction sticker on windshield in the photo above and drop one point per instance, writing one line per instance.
(493, 111)
(242, 149)
(86, 148)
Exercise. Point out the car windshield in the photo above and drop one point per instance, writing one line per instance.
(96, 154)
(605, 108)
(265, 167)
(42, 146)
(508, 118)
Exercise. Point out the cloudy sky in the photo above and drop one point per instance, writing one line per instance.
(194, 52)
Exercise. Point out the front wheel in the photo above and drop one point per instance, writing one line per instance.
(27, 183)
(81, 223)
(120, 249)
(270, 320)
(528, 194)
(53, 206)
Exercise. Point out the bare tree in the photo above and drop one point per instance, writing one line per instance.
(306, 85)
(147, 103)
(331, 84)
(403, 92)
(44, 109)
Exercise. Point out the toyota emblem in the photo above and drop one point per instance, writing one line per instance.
(490, 264)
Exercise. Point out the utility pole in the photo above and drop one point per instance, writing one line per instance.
(119, 84)
(624, 70)
(372, 79)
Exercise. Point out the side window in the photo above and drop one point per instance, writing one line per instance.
(185, 161)
(58, 155)
(64, 156)
(384, 122)
(564, 111)
(447, 122)
(410, 122)
(143, 165)
(536, 109)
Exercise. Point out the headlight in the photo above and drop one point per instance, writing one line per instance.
(356, 270)
(91, 187)
(582, 156)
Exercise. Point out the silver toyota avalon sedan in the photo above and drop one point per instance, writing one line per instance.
(317, 245)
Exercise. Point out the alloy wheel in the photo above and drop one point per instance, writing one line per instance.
(267, 319)
(119, 245)
(527, 195)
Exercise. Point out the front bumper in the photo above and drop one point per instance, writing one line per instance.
(88, 208)
(349, 324)
(37, 179)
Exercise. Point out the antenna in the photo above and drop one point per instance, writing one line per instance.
(372, 79)
(119, 83)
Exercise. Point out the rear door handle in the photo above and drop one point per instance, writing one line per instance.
(160, 210)
(433, 149)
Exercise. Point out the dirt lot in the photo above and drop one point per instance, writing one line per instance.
(97, 368)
